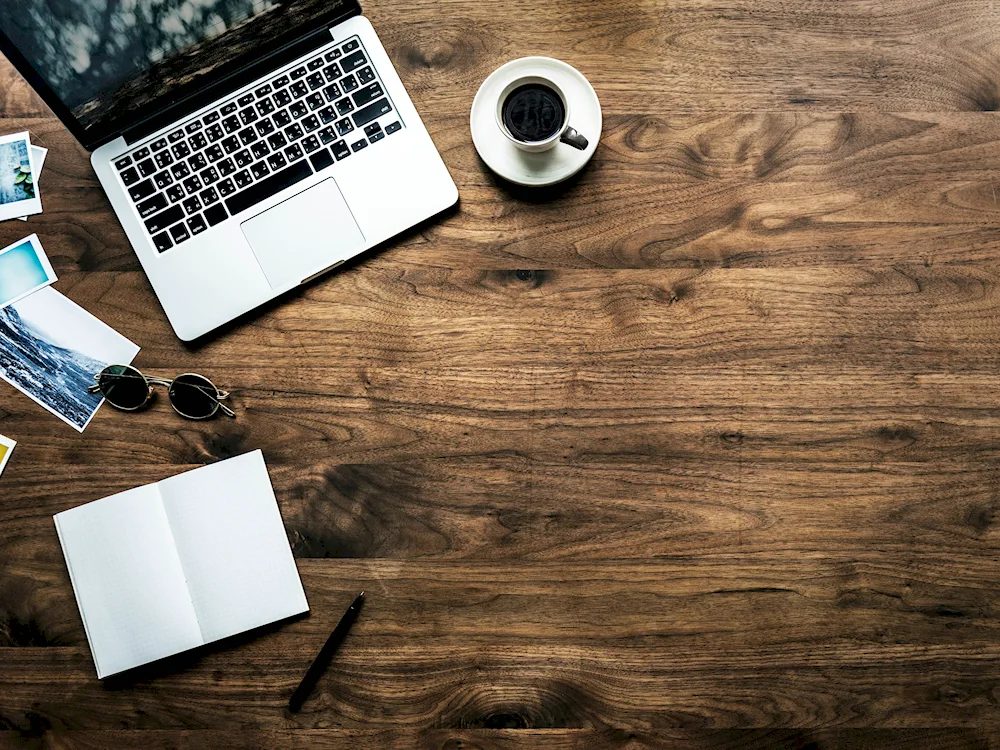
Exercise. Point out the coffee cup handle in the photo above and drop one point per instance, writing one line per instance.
(573, 138)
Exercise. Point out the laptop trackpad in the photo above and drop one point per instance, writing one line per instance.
(304, 234)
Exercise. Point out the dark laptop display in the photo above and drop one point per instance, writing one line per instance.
(106, 61)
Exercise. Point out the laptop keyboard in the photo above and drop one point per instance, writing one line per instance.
(244, 151)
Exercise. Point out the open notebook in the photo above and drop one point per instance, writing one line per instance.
(170, 566)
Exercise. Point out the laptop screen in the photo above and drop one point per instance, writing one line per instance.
(107, 59)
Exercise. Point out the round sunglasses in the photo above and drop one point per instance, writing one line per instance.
(192, 396)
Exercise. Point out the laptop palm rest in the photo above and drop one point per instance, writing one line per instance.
(310, 231)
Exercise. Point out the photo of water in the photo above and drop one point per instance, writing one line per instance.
(16, 181)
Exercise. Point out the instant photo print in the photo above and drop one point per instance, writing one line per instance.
(18, 196)
(24, 268)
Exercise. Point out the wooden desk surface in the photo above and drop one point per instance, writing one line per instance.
(701, 450)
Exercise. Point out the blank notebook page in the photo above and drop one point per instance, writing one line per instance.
(232, 546)
(128, 580)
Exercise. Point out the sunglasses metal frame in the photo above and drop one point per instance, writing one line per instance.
(152, 380)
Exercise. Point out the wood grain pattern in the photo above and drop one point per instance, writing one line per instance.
(700, 450)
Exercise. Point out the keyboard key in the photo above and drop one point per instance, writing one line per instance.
(142, 153)
(181, 150)
(198, 161)
(246, 100)
(315, 81)
(146, 167)
(197, 224)
(344, 127)
(192, 184)
(265, 107)
(332, 55)
(263, 91)
(143, 190)
(270, 186)
(298, 110)
(180, 170)
(130, 176)
(294, 132)
(214, 152)
(310, 144)
(344, 106)
(215, 133)
(231, 124)
(215, 215)
(175, 136)
(226, 187)
(376, 109)
(179, 233)
(162, 242)
(315, 64)
(192, 205)
(365, 75)
(372, 129)
(392, 127)
(327, 115)
(349, 83)
(160, 144)
(162, 179)
(315, 100)
(164, 219)
(294, 152)
(282, 118)
(163, 159)
(210, 175)
(260, 150)
(299, 89)
(358, 145)
(374, 137)
(226, 167)
(353, 60)
(277, 141)
(198, 141)
(123, 162)
(210, 118)
(242, 179)
(327, 135)
(321, 159)
(282, 98)
(193, 127)
(298, 73)
(340, 150)
(243, 159)
(332, 92)
(260, 170)
(209, 196)
(248, 115)
(264, 127)
(229, 108)
(369, 93)
(247, 136)
(350, 46)
(175, 193)
(232, 144)
(332, 72)
(276, 162)
(310, 123)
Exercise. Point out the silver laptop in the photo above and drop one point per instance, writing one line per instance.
(247, 146)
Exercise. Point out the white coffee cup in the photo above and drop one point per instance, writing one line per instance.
(563, 133)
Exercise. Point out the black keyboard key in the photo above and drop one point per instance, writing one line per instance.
(229, 108)
(265, 107)
(332, 55)
(392, 127)
(282, 98)
(327, 115)
(350, 46)
(179, 233)
(340, 150)
(243, 159)
(260, 170)
(192, 184)
(277, 140)
(310, 144)
(315, 81)
(160, 144)
(327, 135)
(332, 72)
(260, 150)
(247, 136)
(232, 144)
(315, 100)
(215, 215)
(274, 184)
(226, 167)
(197, 224)
(181, 150)
(321, 159)
(294, 152)
(246, 100)
(353, 60)
(141, 191)
(344, 127)
(198, 161)
(310, 123)
(209, 196)
(344, 106)
(358, 145)
(193, 127)
(142, 153)
(264, 127)
(299, 89)
(294, 132)
(298, 110)
(215, 133)
(210, 175)
(242, 179)
(263, 90)
(365, 75)
(146, 167)
(231, 124)
(276, 162)
(162, 179)
(180, 170)
(369, 93)
(192, 205)
(248, 115)
(279, 82)
(226, 187)
(175, 136)
(175, 193)
(123, 162)
(210, 117)
(315, 64)
(298, 72)
(349, 83)
(214, 152)
(164, 219)
(282, 118)
(375, 137)
(162, 242)
(376, 109)
(163, 159)
(332, 92)
(130, 176)
(373, 128)
(198, 141)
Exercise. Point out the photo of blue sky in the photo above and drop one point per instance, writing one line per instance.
(21, 270)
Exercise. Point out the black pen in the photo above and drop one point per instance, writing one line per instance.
(325, 655)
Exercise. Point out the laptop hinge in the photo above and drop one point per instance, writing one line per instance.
(217, 90)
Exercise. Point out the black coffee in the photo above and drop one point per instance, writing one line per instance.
(533, 112)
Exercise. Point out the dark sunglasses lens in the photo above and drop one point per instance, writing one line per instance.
(123, 386)
(194, 396)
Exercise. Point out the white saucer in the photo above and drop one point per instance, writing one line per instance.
(549, 167)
